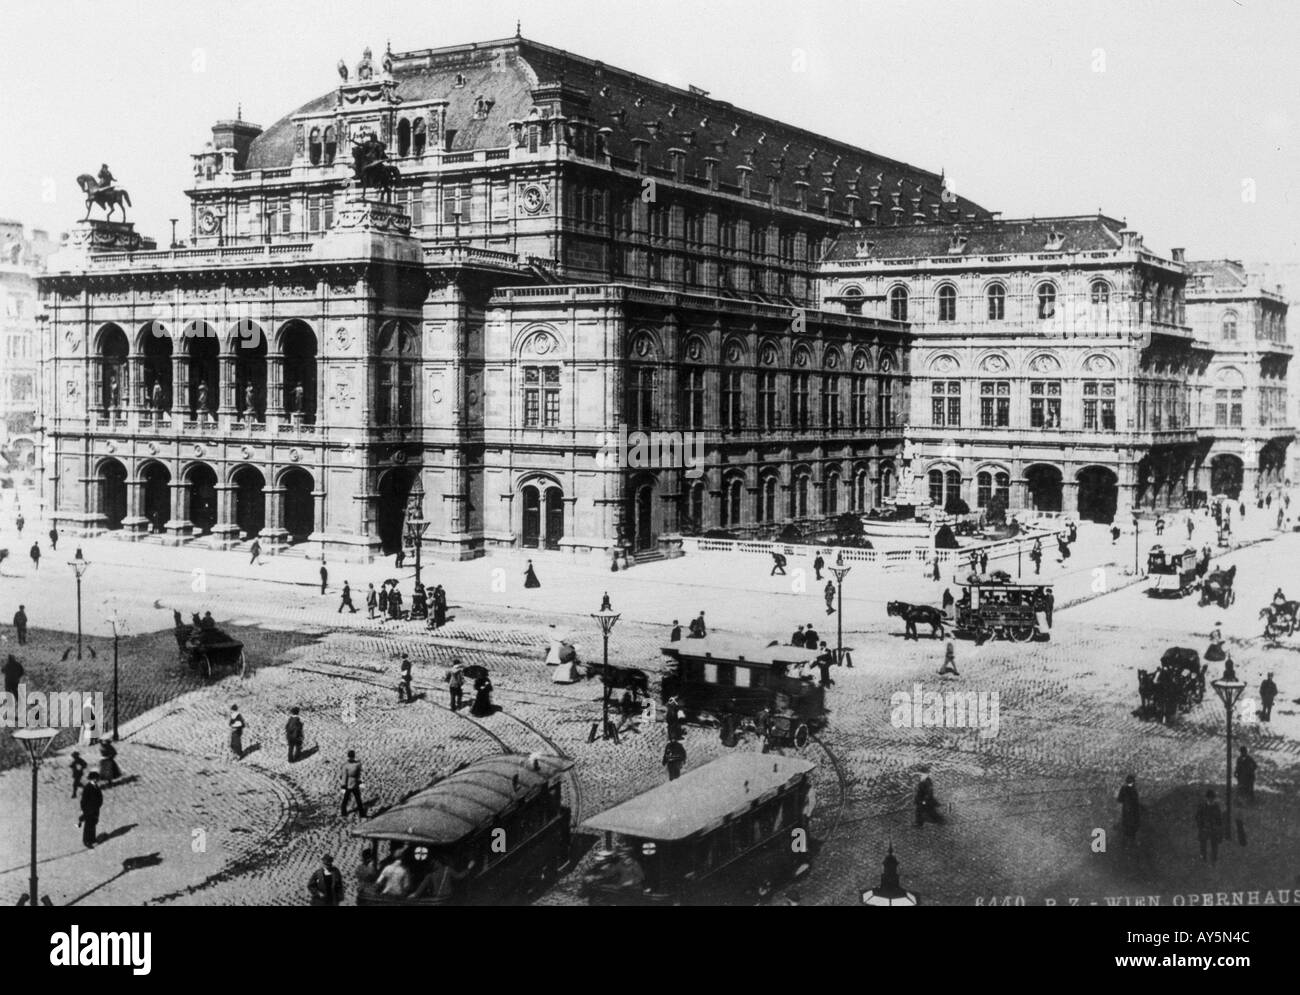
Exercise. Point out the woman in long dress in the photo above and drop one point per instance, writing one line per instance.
(482, 696)
(1215, 651)
(530, 577)
(109, 771)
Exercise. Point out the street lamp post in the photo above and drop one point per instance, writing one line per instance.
(79, 566)
(416, 526)
(36, 742)
(840, 571)
(119, 625)
(1136, 565)
(606, 618)
(1229, 689)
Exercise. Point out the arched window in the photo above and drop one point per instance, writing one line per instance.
(831, 494)
(861, 489)
(330, 146)
(695, 506)
(731, 499)
(395, 396)
(1228, 329)
(799, 497)
(944, 486)
(1099, 301)
(997, 298)
(768, 511)
(403, 137)
(898, 304)
(990, 484)
(853, 300)
(1046, 300)
(418, 137)
(314, 146)
(947, 302)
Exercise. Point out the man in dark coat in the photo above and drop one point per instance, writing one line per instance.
(676, 635)
(347, 599)
(92, 800)
(54, 537)
(830, 597)
(36, 556)
(824, 661)
(927, 806)
(1130, 816)
(948, 601)
(404, 682)
(372, 600)
(797, 638)
(1245, 772)
(674, 758)
(1209, 826)
(351, 785)
(818, 564)
(1267, 693)
(984, 562)
(13, 671)
(324, 578)
(293, 735)
(456, 685)
(255, 551)
(810, 638)
(326, 884)
(675, 717)
(778, 565)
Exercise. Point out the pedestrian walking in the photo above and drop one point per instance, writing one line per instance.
(256, 551)
(92, 802)
(984, 562)
(1267, 693)
(1214, 652)
(36, 556)
(1160, 525)
(948, 600)
(78, 768)
(1191, 528)
(927, 806)
(372, 600)
(439, 607)
(109, 771)
(293, 735)
(326, 884)
(811, 640)
(20, 522)
(456, 684)
(797, 638)
(698, 630)
(482, 706)
(1209, 826)
(1279, 519)
(395, 604)
(352, 785)
(347, 599)
(778, 565)
(236, 723)
(399, 560)
(404, 682)
(1245, 773)
(1036, 555)
(824, 660)
(674, 758)
(530, 576)
(675, 717)
(818, 564)
(676, 635)
(383, 600)
(54, 538)
(1114, 534)
(13, 670)
(324, 577)
(830, 597)
(934, 575)
(949, 660)
(1130, 813)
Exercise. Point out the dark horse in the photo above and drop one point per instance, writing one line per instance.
(1218, 587)
(105, 197)
(912, 614)
(377, 173)
(621, 677)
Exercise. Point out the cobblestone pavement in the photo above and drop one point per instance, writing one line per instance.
(1021, 806)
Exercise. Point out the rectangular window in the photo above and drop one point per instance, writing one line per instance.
(830, 401)
(945, 403)
(733, 415)
(727, 235)
(693, 397)
(799, 400)
(541, 396)
(767, 400)
(1234, 415)
(995, 403)
(660, 218)
(642, 391)
(861, 402)
(1045, 404)
(885, 402)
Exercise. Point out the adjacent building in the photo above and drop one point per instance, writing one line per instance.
(22, 258)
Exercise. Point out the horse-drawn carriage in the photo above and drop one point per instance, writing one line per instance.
(209, 650)
(1019, 612)
(1177, 574)
(1175, 686)
(1281, 618)
(1217, 588)
(743, 683)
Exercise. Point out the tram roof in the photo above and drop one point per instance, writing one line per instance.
(729, 649)
(466, 801)
(703, 798)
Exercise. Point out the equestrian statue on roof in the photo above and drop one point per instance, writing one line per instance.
(371, 168)
(103, 191)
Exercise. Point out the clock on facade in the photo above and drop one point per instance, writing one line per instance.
(208, 222)
(533, 198)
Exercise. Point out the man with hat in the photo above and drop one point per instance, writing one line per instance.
(352, 785)
(456, 684)
(92, 800)
(1267, 692)
(293, 735)
(326, 884)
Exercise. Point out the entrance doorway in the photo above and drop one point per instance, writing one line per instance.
(1098, 494)
(1044, 486)
(112, 493)
(554, 518)
(1226, 476)
(203, 498)
(299, 513)
(642, 526)
(250, 500)
(394, 492)
(157, 496)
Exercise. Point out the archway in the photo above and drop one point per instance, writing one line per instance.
(157, 386)
(202, 481)
(204, 352)
(1098, 494)
(298, 347)
(299, 505)
(1044, 486)
(394, 490)
(250, 500)
(554, 517)
(640, 515)
(1226, 475)
(113, 350)
(112, 493)
(249, 344)
(532, 523)
(157, 495)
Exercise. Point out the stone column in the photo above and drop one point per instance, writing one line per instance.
(180, 388)
(226, 387)
(274, 385)
(273, 532)
(135, 524)
(318, 512)
(179, 524)
(225, 528)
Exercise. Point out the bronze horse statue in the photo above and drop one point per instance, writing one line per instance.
(911, 614)
(106, 197)
(371, 170)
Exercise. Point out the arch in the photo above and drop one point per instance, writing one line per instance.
(1045, 299)
(1098, 494)
(945, 363)
(156, 356)
(394, 490)
(1044, 363)
(404, 137)
(1099, 363)
(203, 368)
(1099, 291)
(419, 137)
(152, 329)
(898, 302)
(801, 357)
(1043, 484)
(155, 480)
(538, 341)
(992, 481)
(541, 524)
(832, 358)
(640, 525)
(946, 299)
(329, 146)
(694, 509)
(298, 347)
(733, 497)
(201, 481)
(1226, 475)
(861, 360)
(1230, 377)
(995, 295)
(800, 490)
(398, 348)
(249, 499)
(831, 479)
(644, 346)
(299, 508)
(771, 352)
(735, 350)
(696, 349)
(886, 482)
(887, 362)
(851, 297)
(248, 343)
(113, 350)
(111, 475)
(861, 496)
(107, 339)
(1228, 326)
(995, 362)
(314, 146)
(944, 481)
(769, 486)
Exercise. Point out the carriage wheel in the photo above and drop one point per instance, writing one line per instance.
(205, 663)
(800, 737)
(1231, 596)
(1022, 633)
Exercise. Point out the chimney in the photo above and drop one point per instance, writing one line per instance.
(237, 135)
(1180, 255)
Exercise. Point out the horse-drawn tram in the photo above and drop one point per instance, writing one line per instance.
(1176, 573)
(1019, 612)
(720, 677)
(491, 832)
(725, 833)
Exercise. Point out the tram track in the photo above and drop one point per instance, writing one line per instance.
(843, 782)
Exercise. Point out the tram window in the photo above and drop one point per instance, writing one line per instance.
(695, 671)
(711, 673)
(742, 677)
(727, 674)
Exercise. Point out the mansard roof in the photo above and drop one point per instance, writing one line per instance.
(1011, 236)
(1219, 274)
(633, 108)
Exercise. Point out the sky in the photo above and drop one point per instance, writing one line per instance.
(1181, 116)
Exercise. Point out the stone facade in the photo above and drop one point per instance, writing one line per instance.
(22, 257)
